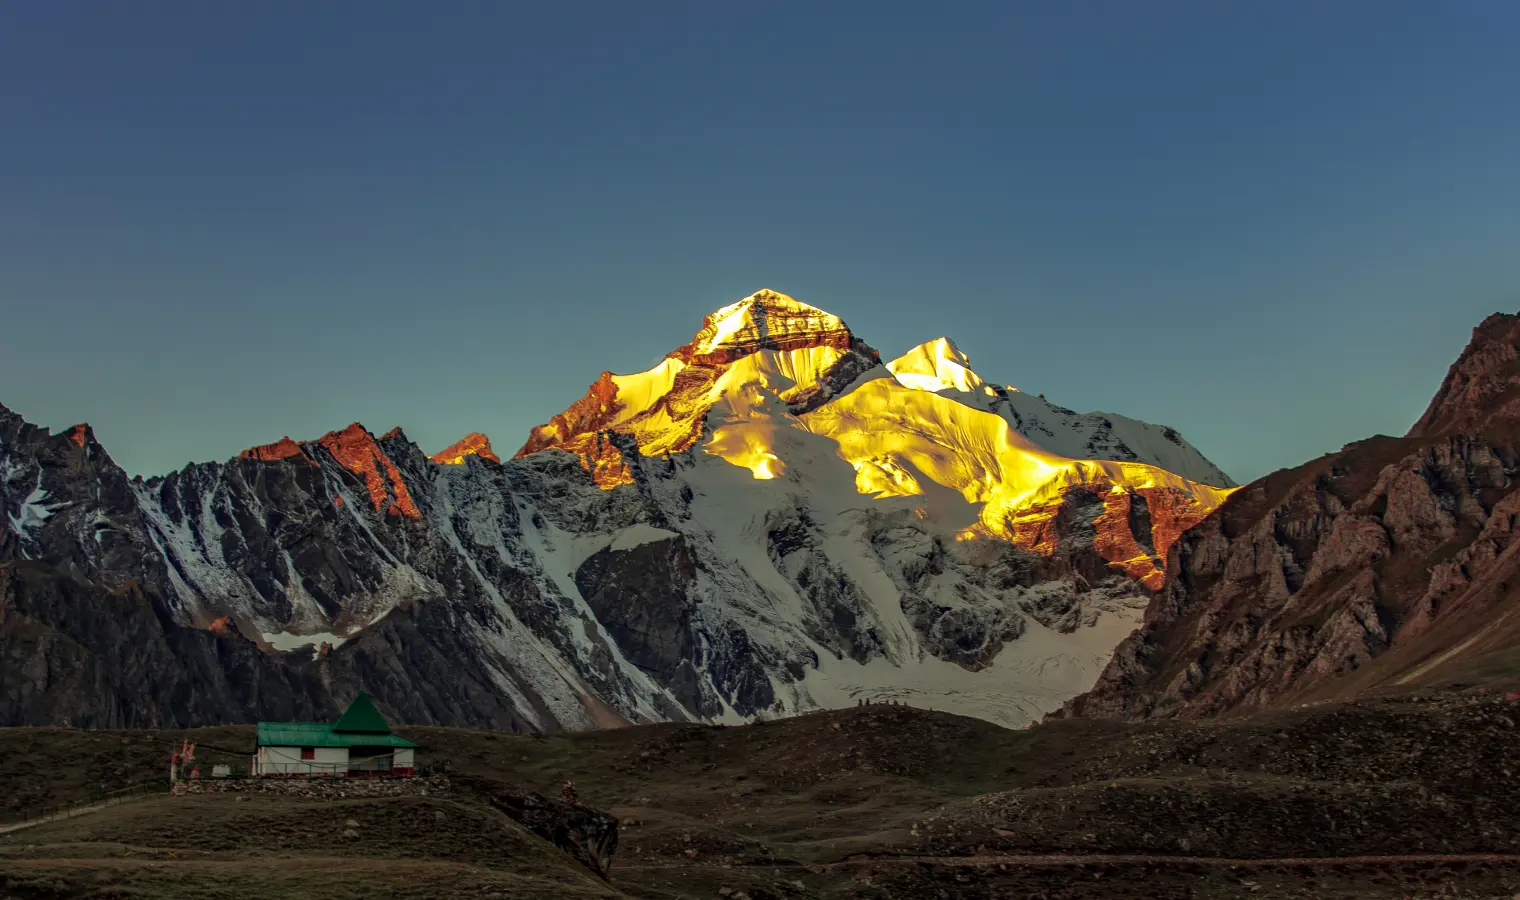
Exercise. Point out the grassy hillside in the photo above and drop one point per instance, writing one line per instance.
(866, 802)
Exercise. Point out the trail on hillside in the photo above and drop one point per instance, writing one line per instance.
(68, 814)
(1070, 860)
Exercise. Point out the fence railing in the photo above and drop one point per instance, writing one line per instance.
(63, 810)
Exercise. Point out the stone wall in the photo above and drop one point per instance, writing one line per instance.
(318, 788)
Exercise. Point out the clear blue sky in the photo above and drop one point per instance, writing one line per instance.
(1271, 225)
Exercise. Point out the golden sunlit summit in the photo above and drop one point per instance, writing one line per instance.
(768, 383)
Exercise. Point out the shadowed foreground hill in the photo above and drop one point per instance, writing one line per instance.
(869, 802)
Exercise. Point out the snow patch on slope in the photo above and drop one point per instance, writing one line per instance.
(33, 511)
(1033, 676)
(287, 641)
(936, 366)
(639, 535)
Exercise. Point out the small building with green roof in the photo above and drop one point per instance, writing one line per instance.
(360, 743)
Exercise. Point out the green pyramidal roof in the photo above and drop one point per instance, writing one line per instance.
(321, 734)
(362, 718)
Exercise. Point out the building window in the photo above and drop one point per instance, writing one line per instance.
(308, 753)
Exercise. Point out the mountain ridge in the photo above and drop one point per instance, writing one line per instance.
(767, 522)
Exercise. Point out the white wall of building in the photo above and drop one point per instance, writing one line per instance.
(331, 759)
(288, 761)
(325, 761)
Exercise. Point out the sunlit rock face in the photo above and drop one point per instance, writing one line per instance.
(771, 520)
(472, 444)
(765, 320)
(355, 448)
(284, 448)
(1131, 530)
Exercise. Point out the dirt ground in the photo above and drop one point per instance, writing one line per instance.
(1411, 796)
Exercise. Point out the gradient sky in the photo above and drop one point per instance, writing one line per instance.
(1271, 225)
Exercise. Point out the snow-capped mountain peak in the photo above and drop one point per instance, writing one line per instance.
(760, 356)
(770, 520)
(769, 382)
(765, 320)
(936, 366)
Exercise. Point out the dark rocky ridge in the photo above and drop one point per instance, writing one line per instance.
(92, 527)
(79, 654)
(1483, 384)
(639, 596)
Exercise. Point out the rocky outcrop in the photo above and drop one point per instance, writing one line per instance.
(1483, 384)
(284, 448)
(472, 444)
(857, 361)
(766, 320)
(1094, 530)
(68, 504)
(1389, 562)
(639, 595)
(589, 835)
(356, 450)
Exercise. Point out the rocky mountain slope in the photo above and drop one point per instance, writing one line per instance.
(1392, 562)
(772, 520)
(91, 657)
